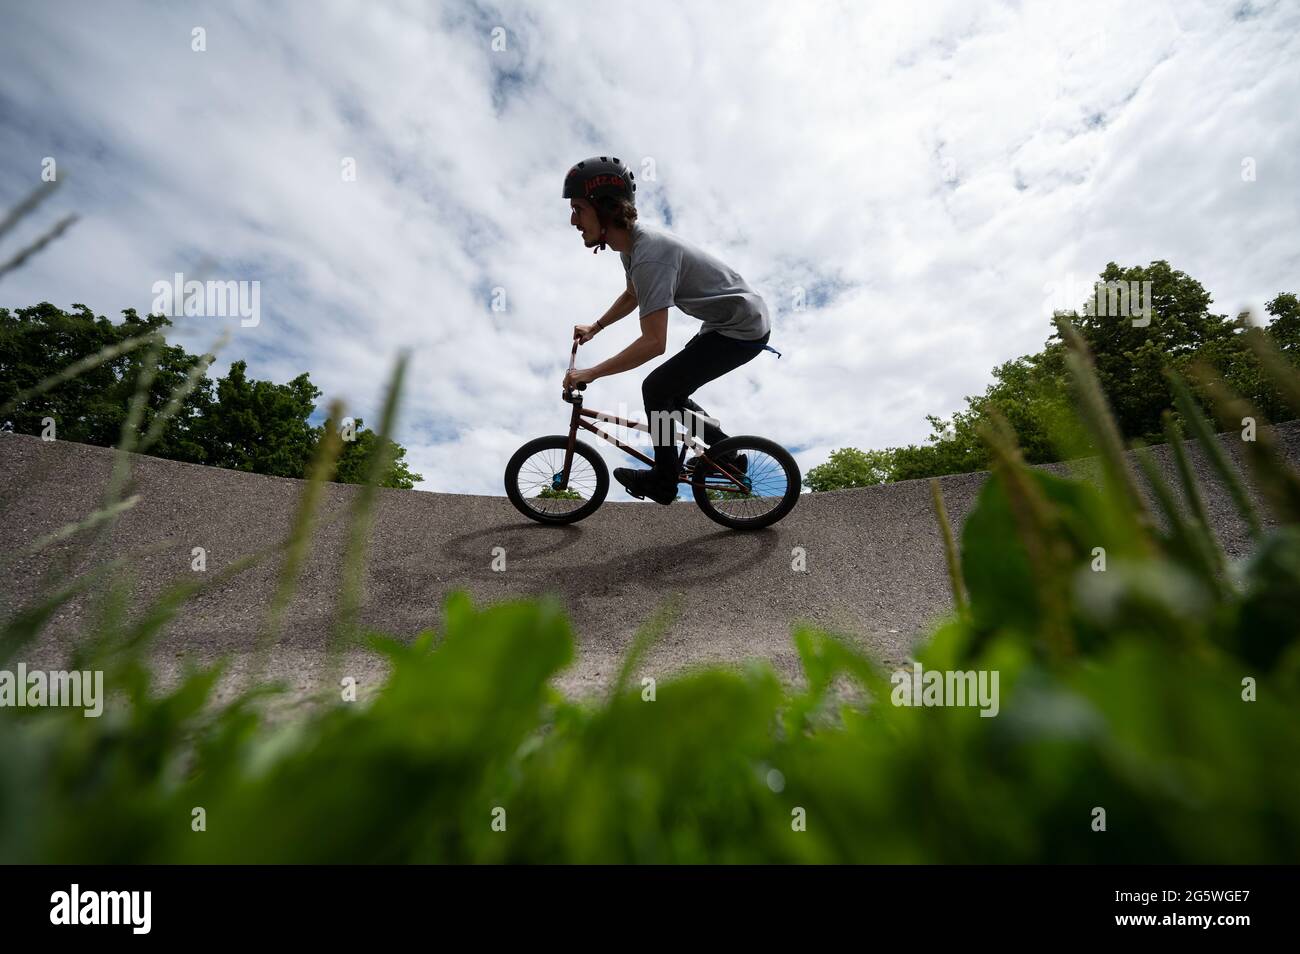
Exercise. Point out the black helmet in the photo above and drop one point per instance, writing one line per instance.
(598, 177)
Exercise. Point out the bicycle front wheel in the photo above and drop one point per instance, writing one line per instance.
(533, 479)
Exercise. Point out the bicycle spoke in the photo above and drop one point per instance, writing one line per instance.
(536, 482)
(768, 485)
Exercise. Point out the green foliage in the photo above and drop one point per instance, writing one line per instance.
(550, 493)
(850, 467)
(236, 422)
(355, 461)
(1141, 684)
(24, 209)
(91, 407)
(1241, 368)
(1131, 358)
(1027, 392)
(1033, 393)
(260, 426)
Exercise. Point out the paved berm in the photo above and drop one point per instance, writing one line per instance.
(875, 564)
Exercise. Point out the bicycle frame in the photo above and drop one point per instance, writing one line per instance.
(725, 481)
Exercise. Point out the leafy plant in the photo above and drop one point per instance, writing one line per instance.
(235, 421)
(550, 493)
(1142, 674)
(1132, 357)
(850, 467)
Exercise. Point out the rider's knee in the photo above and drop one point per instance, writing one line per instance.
(656, 395)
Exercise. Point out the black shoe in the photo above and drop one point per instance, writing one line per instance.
(643, 483)
(736, 463)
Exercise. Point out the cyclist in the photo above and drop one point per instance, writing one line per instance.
(663, 270)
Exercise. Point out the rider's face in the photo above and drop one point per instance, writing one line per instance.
(583, 218)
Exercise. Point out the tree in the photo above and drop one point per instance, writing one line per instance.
(259, 426)
(1284, 329)
(1241, 368)
(1033, 393)
(1131, 356)
(38, 342)
(850, 467)
(1027, 393)
(355, 460)
(236, 422)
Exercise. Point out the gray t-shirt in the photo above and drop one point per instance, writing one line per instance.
(666, 270)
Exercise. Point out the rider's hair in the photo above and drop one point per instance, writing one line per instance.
(616, 210)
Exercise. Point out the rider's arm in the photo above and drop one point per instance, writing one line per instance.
(652, 343)
(622, 307)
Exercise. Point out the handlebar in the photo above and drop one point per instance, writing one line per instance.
(573, 358)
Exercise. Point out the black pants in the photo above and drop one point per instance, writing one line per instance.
(668, 388)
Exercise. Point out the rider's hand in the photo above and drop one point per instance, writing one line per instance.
(585, 333)
(578, 376)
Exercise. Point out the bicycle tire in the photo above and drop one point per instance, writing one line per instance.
(751, 446)
(557, 442)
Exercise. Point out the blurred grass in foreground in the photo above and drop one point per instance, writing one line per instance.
(1121, 689)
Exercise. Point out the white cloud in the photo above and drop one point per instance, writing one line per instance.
(922, 173)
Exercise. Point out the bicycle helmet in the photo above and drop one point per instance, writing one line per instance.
(600, 177)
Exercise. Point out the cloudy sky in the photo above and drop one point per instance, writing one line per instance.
(910, 185)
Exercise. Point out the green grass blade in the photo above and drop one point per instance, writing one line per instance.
(27, 205)
(130, 433)
(89, 523)
(1214, 453)
(949, 548)
(322, 471)
(1277, 482)
(81, 366)
(1192, 494)
(1100, 422)
(646, 635)
(1279, 370)
(27, 624)
(355, 551)
(18, 260)
(1184, 543)
(179, 394)
(1040, 533)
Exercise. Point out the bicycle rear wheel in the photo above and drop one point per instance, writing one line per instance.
(533, 480)
(771, 479)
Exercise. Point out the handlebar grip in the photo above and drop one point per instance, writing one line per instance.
(582, 385)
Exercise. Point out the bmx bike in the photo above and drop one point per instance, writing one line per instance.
(559, 479)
